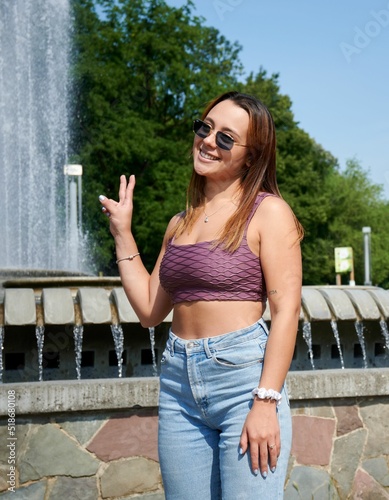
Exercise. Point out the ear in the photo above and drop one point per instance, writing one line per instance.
(249, 160)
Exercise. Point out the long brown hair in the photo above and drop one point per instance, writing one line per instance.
(258, 173)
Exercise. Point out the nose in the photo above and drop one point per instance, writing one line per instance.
(210, 140)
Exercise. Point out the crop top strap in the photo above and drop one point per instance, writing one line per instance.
(257, 202)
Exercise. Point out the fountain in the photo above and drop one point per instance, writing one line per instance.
(35, 224)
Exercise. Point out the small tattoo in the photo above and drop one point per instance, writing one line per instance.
(272, 292)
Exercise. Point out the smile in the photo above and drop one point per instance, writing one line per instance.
(208, 156)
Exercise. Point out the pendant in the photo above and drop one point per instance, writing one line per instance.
(206, 219)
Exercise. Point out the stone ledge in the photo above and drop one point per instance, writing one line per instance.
(118, 394)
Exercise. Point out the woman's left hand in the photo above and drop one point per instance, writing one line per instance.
(261, 436)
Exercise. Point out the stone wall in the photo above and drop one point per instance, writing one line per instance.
(97, 439)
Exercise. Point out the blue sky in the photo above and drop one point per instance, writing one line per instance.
(332, 58)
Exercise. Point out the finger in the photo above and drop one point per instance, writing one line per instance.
(263, 459)
(105, 211)
(243, 443)
(107, 204)
(273, 456)
(254, 457)
(122, 188)
(130, 189)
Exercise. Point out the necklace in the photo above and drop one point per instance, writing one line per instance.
(208, 216)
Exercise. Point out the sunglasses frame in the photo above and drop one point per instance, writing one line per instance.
(220, 137)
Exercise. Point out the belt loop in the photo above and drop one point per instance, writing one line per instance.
(172, 342)
(207, 349)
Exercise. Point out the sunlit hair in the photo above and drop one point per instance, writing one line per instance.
(258, 172)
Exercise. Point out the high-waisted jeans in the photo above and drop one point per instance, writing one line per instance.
(205, 395)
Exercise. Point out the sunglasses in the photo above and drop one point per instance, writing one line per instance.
(223, 141)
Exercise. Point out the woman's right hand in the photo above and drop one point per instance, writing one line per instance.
(120, 213)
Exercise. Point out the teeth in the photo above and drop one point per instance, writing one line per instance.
(208, 156)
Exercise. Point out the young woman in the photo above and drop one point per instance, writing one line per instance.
(224, 416)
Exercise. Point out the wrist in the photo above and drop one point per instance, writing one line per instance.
(261, 393)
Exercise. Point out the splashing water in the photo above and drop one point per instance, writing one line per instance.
(385, 333)
(152, 346)
(334, 326)
(307, 335)
(359, 329)
(118, 338)
(40, 339)
(35, 48)
(78, 332)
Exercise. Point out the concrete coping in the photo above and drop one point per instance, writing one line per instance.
(122, 394)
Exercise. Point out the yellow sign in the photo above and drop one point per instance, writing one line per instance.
(344, 260)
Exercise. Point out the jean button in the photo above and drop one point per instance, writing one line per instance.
(191, 344)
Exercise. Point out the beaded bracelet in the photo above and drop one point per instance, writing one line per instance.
(263, 393)
(130, 257)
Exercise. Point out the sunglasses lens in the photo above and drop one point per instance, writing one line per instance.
(201, 129)
(224, 141)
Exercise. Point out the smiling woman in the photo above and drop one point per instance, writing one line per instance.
(223, 412)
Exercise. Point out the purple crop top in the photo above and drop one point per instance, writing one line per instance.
(198, 272)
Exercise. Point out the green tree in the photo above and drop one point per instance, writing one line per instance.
(143, 71)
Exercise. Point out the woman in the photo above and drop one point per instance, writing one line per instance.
(224, 416)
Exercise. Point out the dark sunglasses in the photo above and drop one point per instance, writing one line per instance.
(223, 141)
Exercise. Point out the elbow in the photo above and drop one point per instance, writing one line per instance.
(147, 323)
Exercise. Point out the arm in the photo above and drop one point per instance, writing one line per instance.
(144, 292)
(281, 263)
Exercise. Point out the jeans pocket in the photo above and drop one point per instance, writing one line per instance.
(240, 355)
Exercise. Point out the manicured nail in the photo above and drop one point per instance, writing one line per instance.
(240, 451)
(256, 472)
(101, 197)
(273, 469)
(264, 474)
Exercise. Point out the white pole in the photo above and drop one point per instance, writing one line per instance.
(73, 224)
(367, 253)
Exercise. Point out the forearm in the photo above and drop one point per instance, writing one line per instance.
(279, 350)
(140, 287)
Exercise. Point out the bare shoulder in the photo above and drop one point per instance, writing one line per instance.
(172, 223)
(273, 208)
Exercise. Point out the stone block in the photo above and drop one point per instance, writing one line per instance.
(312, 440)
(95, 306)
(347, 454)
(348, 419)
(376, 416)
(19, 306)
(122, 437)
(315, 305)
(58, 308)
(310, 483)
(378, 468)
(51, 452)
(365, 488)
(80, 488)
(130, 476)
(34, 491)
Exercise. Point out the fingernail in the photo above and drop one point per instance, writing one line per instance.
(240, 451)
(256, 472)
(103, 209)
(273, 469)
(101, 197)
(264, 474)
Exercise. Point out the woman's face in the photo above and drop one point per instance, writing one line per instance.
(212, 161)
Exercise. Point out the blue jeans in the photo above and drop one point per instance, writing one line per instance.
(205, 395)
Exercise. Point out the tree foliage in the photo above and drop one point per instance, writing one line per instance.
(142, 72)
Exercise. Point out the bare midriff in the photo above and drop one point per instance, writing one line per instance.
(201, 319)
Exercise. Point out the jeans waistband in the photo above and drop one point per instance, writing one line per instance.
(211, 344)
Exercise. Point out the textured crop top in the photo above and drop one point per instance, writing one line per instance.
(199, 272)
